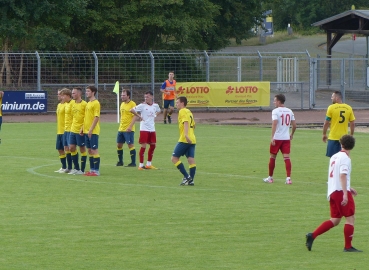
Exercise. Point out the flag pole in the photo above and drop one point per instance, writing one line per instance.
(116, 91)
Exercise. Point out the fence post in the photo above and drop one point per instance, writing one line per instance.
(38, 71)
(152, 72)
(239, 69)
(312, 83)
(260, 67)
(207, 66)
(343, 79)
(96, 69)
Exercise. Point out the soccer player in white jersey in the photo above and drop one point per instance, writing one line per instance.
(147, 110)
(340, 196)
(282, 118)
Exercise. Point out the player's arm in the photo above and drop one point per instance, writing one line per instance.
(326, 125)
(94, 123)
(293, 123)
(1, 94)
(136, 114)
(274, 129)
(158, 111)
(185, 130)
(352, 127)
(162, 89)
(343, 180)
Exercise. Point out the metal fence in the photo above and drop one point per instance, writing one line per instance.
(307, 82)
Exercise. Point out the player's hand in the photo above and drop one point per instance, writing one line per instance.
(188, 139)
(353, 191)
(128, 129)
(272, 142)
(291, 136)
(90, 134)
(325, 138)
(344, 200)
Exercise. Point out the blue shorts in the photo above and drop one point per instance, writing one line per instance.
(184, 149)
(168, 103)
(333, 147)
(76, 139)
(66, 138)
(126, 137)
(92, 143)
(1, 121)
(59, 142)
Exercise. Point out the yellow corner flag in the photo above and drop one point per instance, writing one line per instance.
(116, 88)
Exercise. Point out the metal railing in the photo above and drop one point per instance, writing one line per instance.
(307, 82)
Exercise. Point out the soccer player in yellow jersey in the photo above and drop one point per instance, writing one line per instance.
(91, 130)
(126, 131)
(75, 138)
(60, 123)
(68, 101)
(1, 111)
(339, 115)
(186, 143)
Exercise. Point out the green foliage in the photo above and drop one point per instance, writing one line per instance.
(301, 14)
(130, 219)
(112, 25)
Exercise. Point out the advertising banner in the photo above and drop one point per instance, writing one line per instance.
(24, 102)
(225, 94)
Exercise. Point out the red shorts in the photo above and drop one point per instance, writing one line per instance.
(147, 137)
(283, 145)
(338, 210)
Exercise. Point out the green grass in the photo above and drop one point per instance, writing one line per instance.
(130, 219)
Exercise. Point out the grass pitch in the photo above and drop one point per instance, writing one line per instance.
(130, 219)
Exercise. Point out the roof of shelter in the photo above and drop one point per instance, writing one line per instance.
(350, 21)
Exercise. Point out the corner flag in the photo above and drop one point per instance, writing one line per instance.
(116, 90)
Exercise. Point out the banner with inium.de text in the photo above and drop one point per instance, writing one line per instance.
(225, 94)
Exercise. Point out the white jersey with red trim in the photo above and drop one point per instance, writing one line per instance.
(148, 114)
(284, 117)
(339, 163)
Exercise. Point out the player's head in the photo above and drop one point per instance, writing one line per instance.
(126, 95)
(279, 100)
(66, 94)
(59, 95)
(92, 88)
(181, 102)
(77, 93)
(336, 97)
(171, 75)
(149, 97)
(347, 142)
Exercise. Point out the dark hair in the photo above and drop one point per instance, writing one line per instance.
(78, 89)
(281, 98)
(347, 142)
(183, 100)
(338, 94)
(171, 71)
(92, 88)
(149, 93)
(128, 92)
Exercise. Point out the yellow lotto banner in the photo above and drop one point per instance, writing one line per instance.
(225, 94)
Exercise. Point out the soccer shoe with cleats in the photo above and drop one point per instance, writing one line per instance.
(186, 181)
(87, 173)
(60, 170)
(351, 249)
(94, 173)
(268, 180)
(119, 163)
(191, 183)
(150, 167)
(141, 168)
(79, 173)
(73, 171)
(288, 181)
(165, 121)
(169, 119)
(309, 241)
(65, 171)
(131, 165)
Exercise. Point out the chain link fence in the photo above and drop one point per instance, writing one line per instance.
(307, 82)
